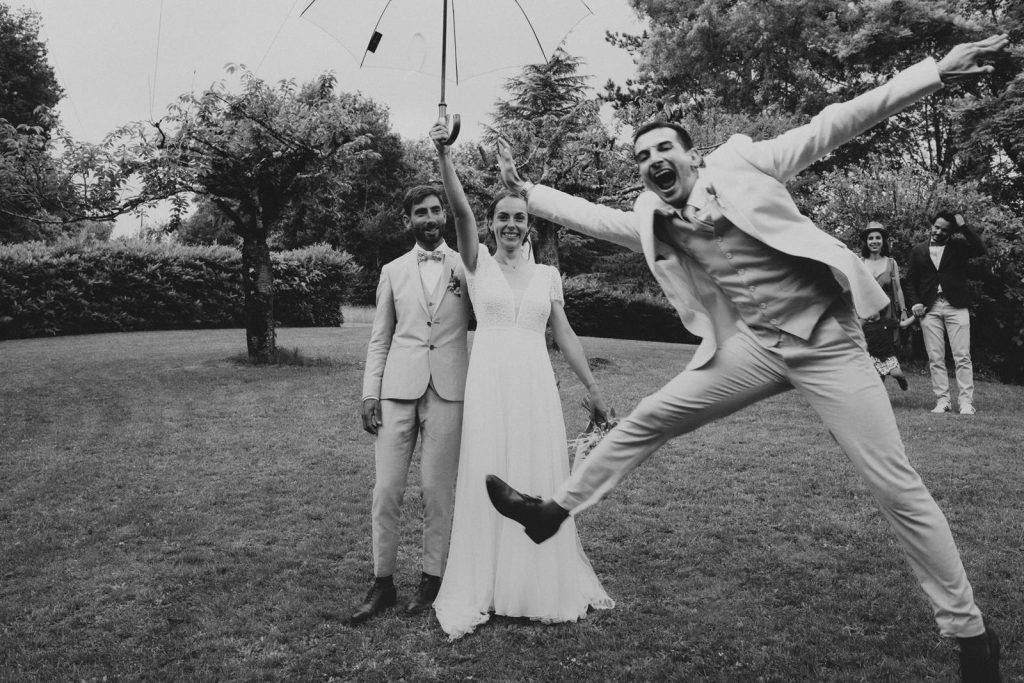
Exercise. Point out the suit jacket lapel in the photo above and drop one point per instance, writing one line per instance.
(441, 289)
(413, 271)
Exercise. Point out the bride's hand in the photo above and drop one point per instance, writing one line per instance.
(599, 412)
(438, 134)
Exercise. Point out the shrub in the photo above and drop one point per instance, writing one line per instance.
(82, 287)
(597, 308)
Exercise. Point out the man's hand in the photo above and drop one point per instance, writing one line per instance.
(371, 415)
(507, 166)
(964, 60)
(960, 222)
(917, 310)
(439, 134)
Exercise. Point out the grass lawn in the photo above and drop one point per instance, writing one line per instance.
(169, 513)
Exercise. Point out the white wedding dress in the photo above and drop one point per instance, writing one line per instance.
(512, 426)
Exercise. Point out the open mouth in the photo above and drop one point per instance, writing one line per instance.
(664, 178)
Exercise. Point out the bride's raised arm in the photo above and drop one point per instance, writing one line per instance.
(465, 222)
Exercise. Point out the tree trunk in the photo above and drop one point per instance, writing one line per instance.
(258, 279)
(546, 245)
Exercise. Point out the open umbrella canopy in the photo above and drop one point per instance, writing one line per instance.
(482, 35)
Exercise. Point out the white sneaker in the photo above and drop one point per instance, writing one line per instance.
(967, 409)
(941, 406)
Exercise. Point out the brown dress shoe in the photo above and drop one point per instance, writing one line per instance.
(382, 595)
(425, 594)
(979, 658)
(540, 518)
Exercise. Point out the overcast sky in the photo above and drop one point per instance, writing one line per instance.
(126, 60)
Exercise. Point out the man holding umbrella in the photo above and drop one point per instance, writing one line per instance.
(775, 301)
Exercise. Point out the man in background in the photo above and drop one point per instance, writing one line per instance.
(938, 295)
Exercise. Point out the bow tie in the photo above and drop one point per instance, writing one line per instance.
(422, 256)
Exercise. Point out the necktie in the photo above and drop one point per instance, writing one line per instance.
(422, 256)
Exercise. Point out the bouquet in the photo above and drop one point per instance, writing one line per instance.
(598, 426)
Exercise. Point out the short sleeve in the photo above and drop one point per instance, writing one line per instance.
(556, 293)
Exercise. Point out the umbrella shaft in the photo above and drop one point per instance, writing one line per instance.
(444, 52)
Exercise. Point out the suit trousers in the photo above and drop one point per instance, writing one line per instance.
(833, 371)
(438, 424)
(942, 320)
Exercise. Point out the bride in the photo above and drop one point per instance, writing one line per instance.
(512, 426)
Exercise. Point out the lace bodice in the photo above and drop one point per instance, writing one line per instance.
(494, 300)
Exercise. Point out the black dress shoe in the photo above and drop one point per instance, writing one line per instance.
(540, 518)
(381, 596)
(975, 666)
(425, 594)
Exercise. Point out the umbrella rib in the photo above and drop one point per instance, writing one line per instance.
(532, 30)
(379, 19)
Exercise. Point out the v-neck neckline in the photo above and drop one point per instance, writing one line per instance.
(516, 308)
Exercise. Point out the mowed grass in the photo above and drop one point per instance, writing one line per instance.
(169, 513)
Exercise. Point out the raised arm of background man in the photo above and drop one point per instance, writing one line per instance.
(465, 222)
(975, 247)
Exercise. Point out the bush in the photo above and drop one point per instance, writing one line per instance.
(905, 199)
(82, 287)
(597, 308)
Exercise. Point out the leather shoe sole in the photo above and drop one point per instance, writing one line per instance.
(540, 519)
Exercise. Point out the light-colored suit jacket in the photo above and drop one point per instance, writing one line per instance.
(410, 347)
(748, 179)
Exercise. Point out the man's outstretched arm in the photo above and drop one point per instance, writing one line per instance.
(602, 222)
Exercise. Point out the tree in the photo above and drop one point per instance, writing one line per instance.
(28, 86)
(557, 135)
(255, 155)
(793, 58)
(29, 182)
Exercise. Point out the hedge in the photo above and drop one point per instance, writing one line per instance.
(84, 287)
(598, 309)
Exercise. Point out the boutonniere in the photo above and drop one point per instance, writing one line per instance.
(454, 285)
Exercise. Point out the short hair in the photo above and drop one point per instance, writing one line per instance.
(417, 194)
(874, 226)
(946, 216)
(684, 135)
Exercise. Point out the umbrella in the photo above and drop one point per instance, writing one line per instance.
(481, 36)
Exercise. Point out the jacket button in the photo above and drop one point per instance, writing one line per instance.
(428, 323)
(431, 347)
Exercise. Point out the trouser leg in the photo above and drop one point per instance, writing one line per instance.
(440, 436)
(836, 376)
(933, 332)
(393, 449)
(958, 326)
(741, 373)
